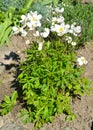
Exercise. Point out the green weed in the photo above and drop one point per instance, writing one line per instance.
(8, 103)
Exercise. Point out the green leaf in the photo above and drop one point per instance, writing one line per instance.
(7, 99)
(14, 97)
(45, 2)
(25, 119)
(46, 112)
(4, 104)
(6, 36)
(70, 117)
(23, 112)
(4, 112)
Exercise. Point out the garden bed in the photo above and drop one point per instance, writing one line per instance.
(50, 68)
(83, 107)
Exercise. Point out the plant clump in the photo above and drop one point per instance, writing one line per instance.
(52, 73)
(50, 76)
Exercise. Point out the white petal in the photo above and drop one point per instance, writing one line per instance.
(85, 62)
(73, 43)
(36, 34)
(39, 16)
(15, 28)
(53, 29)
(69, 39)
(62, 9)
(40, 46)
(46, 33)
(78, 29)
(59, 10)
(38, 24)
(27, 42)
(82, 61)
(60, 19)
(29, 16)
(23, 17)
(23, 33)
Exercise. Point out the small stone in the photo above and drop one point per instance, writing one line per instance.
(18, 52)
(11, 126)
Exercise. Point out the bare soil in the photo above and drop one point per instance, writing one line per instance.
(10, 58)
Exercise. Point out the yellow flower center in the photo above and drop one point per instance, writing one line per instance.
(83, 59)
(34, 19)
(60, 29)
(19, 29)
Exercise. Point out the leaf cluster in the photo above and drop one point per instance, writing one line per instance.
(5, 28)
(50, 79)
(82, 14)
(74, 11)
(6, 4)
(10, 12)
(8, 103)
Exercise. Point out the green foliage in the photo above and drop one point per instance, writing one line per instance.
(10, 12)
(5, 30)
(68, 2)
(83, 15)
(6, 4)
(8, 103)
(50, 79)
(46, 2)
(26, 6)
(6, 21)
(74, 11)
(42, 9)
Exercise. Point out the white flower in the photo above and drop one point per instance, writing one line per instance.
(34, 19)
(31, 26)
(53, 28)
(35, 16)
(82, 61)
(73, 43)
(27, 42)
(24, 19)
(54, 20)
(36, 34)
(59, 10)
(75, 29)
(23, 33)
(60, 19)
(19, 30)
(40, 46)
(60, 29)
(68, 39)
(45, 33)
